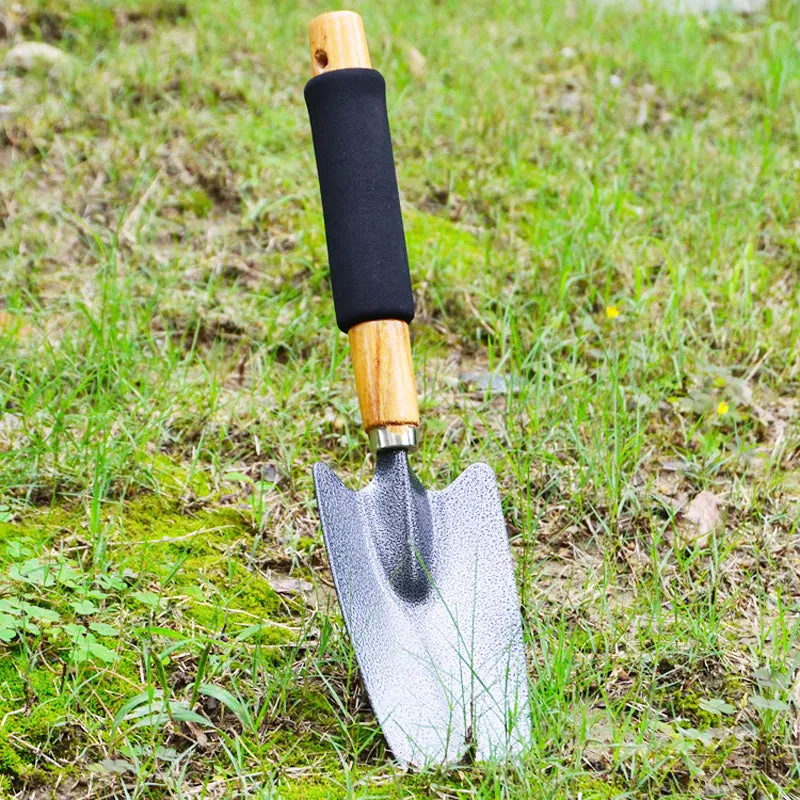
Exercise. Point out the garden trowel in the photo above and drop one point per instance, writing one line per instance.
(424, 578)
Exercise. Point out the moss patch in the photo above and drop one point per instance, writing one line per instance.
(36, 527)
(313, 790)
(219, 589)
(687, 705)
(201, 556)
(195, 564)
(44, 707)
(591, 788)
(153, 523)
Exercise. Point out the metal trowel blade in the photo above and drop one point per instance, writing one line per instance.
(426, 586)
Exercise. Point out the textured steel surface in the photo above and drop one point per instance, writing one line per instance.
(426, 586)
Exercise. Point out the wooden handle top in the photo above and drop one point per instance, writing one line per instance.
(338, 41)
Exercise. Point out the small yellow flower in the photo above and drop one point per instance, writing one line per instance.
(612, 312)
(723, 408)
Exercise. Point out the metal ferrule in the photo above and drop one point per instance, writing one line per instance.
(398, 437)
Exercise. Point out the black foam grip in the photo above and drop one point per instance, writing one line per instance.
(360, 201)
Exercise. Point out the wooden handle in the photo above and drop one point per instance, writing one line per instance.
(387, 393)
(380, 349)
(338, 41)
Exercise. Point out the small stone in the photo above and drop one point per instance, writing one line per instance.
(615, 81)
(492, 382)
(10, 422)
(269, 473)
(7, 27)
(27, 54)
(571, 102)
(282, 243)
(569, 52)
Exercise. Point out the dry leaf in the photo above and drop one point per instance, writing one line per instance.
(599, 748)
(700, 517)
(198, 733)
(283, 584)
(14, 326)
(415, 61)
(722, 79)
(668, 483)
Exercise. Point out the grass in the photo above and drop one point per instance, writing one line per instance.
(601, 205)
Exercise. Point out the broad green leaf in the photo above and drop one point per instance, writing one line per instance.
(104, 629)
(29, 627)
(155, 630)
(229, 701)
(706, 737)
(7, 634)
(87, 648)
(17, 549)
(67, 575)
(85, 607)
(147, 598)
(7, 621)
(184, 714)
(112, 766)
(80, 649)
(8, 627)
(146, 716)
(149, 696)
(716, 705)
(771, 678)
(98, 650)
(766, 704)
(153, 719)
(33, 571)
(73, 631)
(111, 582)
(255, 631)
(39, 613)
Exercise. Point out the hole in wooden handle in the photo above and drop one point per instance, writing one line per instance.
(321, 57)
